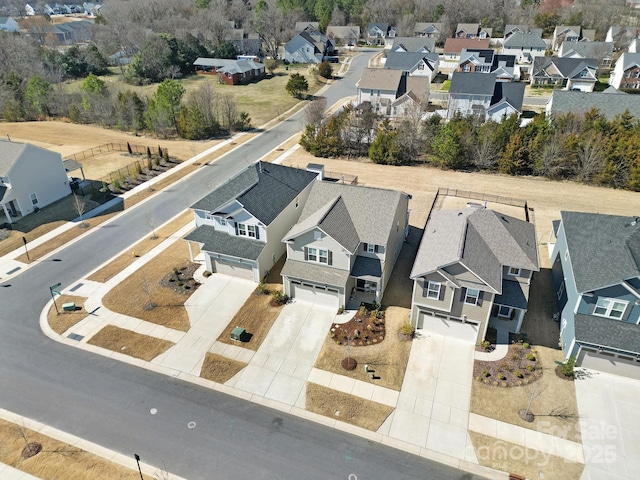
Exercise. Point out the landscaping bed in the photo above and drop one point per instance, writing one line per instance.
(519, 367)
(181, 280)
(367, 327)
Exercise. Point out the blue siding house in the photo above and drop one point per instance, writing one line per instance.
(596, 275)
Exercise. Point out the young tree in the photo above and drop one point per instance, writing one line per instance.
(446, 147)
(325, 70)
(80, 205)
(385, 149)
(164, 106)
(271, 64)
(224, 50)
(37, 94)
(297, 85)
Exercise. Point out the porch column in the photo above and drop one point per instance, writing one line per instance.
(190, 251)
(520, 318)
(6, 213)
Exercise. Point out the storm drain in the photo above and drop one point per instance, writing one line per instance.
(13, 271)
(76, 287)
(75, 336)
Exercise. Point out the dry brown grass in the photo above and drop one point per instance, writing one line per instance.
(65, 320)
(555, 409)
(388, 359)
(141, 248)
(220, 369)
(130, 343)
(346, 408)
(130, 297)
(57, 460)
(523, 461)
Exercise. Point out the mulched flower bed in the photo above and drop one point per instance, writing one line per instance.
(491, 337)
(561, 375)
(365, 328)
(181, 279)
(519, 367)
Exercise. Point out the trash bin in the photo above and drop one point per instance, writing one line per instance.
(237, 333)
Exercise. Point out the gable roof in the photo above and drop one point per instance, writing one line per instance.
(373, 27)
(418, 86)
(562, 29)
(380, 78)
(525, 40)
(455, 45)
(567, 67)
(629, 60)
(338, 207)
(472, 83)
(610, 103)
(512, 29)
(300, 26)
(10, 153)
(469, 28)
(263, 189)
(428, 27)
(221, 242)
(414, 44)
(587, 49)
(346, 31)
(604, 249)
(508, 92)
(484, 56)
(406, 61)
(482, 240)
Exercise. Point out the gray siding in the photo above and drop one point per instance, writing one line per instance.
(446, 293)
(524, 277)
(632, 312)
(340, 259)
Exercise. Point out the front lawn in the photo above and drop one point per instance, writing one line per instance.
(130, 343)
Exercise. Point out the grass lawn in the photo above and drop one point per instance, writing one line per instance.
(346, 408)
(387, 359)
(220, 369)
(62, 322)
(445, 85)
(130, 343)
(523, 461)
(130, 297)
(256, 316)
(57, 460)
(555, 407)
(141, 248)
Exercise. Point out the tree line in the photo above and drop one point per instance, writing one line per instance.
(588, 147)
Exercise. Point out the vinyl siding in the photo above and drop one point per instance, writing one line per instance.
(632, 311)
(444, 303)
(340, 259)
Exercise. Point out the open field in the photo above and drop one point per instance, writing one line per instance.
(57, 459)
(546, 197)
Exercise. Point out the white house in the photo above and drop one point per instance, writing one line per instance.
(8, 24)
(626, 73)
(379, 85)
(30, 178)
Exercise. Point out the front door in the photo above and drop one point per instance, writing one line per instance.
(12, 208)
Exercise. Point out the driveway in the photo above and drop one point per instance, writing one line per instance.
(610, 425)
(433, 405)
(282, 364)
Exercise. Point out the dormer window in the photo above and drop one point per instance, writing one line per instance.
(609, 307)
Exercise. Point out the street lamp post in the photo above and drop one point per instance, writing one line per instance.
(137, 457)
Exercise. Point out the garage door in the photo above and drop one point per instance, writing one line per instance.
(233, 268)
(327, 296)
(455, 328)
(607, 363)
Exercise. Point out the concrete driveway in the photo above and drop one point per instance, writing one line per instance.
(433, 405)
(282, 364)
(610, 425)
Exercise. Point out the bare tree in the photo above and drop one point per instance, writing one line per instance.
(146, 287)
(315, 111)
(590, 157)
(486, 152)
(229, 111)
(151, 221)
(80, 205)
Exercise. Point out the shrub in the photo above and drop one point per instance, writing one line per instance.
(485, 344)
(340, 310)
(325, 69)
(279, 298)
(531, 357)
(206, 274)
(501, 376)
(525, 345)
(362, 311)
(530, 368)
(262, 288)
(407, 329)
(518, 374)
(485, 373)
(568, 369)
(116, 184)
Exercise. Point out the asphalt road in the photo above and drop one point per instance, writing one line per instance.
(196, 433)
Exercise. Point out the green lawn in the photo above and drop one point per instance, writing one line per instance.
(263, 100)
(446, 85)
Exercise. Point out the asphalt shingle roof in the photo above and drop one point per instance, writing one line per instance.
(525, 40)
(567, 67)
(607, 332)
(263, 189)
(629, 60)
(405, 61)
(604, 249)
(380, 78)
(514, 294)
(610, 103)
(315, 273)
(587, 49)
(220, 242)
(472, 83)
(455, 45)
(509, 92)
(366, 267)
(9, 154)
(415, 44)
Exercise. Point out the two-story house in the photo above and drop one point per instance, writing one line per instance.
(344, 35)
(381, 86)
(308, 46)
(30, 178)
(8, 24)
(380, 34)
(609, 103)
(596, 274)
(525, 46)
(343, 249)
(488, 61)
(239, 225)
(511, 29)
(578, 74)
(472, 30)
(473, 269)
(622, 35)
(414, 44)
(571, 33)
(626, 73)
(429, 30)
(601, 51)
(414, 63)
(454, 46)
(470, 93)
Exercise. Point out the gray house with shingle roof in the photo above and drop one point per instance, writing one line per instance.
(610, 103)
(239, 225)
(596, 274)
(568, 73)
(525, 46)
(345, 245)
(308, 46)
(419, 64)
(473, 270)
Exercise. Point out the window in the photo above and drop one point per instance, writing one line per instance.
(34, 198)
(584, 74)
(247, 230)
(318, 255)
(223, 221)
(471, 298)
(561, 290)
(514, 272)
(371, 248)
(317, 234)
(433, 290)
(608, 307)
(466, 68)
(505, 311)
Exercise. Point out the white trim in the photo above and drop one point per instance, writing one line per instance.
(609, 308)
(435, 289)
(467, 296)
(517, 271)
(508, 315)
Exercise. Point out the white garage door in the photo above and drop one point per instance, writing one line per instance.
(463, 331)
(603, 362)
(316, 294)
(233, 268)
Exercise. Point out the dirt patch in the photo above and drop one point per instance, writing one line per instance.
(56, 459)
(181, 280)
(528, 463)
(143, 287)
(519, 367)
(387, 360)
(346, 408)
(365, 328)
(130, 343)
(554, 401)
(220, 369)
(141, 248)
(63, 321)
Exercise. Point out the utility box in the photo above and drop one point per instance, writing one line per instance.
(237, 334)
(69, 307)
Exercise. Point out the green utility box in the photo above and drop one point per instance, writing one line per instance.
(69, 307)
(237, 334)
